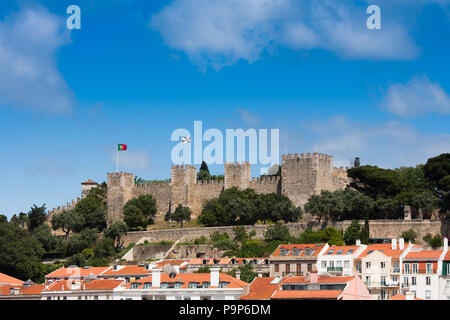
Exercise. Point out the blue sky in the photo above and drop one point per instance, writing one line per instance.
(137, 70)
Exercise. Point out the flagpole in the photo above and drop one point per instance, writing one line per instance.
(117, 159)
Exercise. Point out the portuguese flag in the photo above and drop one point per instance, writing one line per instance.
(121, 147)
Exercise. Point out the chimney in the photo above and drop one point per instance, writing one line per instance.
(260, 274)
(445, 244)
(358, 242)
(409, 296)
(394, 244)
(401, 244)
(156, 278)
(214, 277)
(238, 274)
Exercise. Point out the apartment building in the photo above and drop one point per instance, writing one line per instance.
(295, 259)
(444, 279)
(74, 273)
(379, 266)
(183, 286)
(339, 260)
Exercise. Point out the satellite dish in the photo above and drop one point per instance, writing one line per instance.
(172, 275)
(273, 170)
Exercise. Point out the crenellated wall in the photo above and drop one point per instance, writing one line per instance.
(302, 176)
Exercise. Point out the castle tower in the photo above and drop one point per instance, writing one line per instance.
(184, 178)
(120, 190)
(304, 175)
(86, 186)
(237, 175)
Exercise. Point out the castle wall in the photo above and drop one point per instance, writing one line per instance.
(265, 185)
(378, 229)
(161, 192)
(120, 190)
(237, 175)
(203, 191)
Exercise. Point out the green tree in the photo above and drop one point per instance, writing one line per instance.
(222, 241)
(329, 235)
(181, 214)
(44, 235)
(76, 260)
(365, 232)
(434, 242)
(437, 171)
(36, 217)
(3, 218)
(240, 235)
(20, 253)
(93, 211)
(68, 221)
(277, 232)
(104, 248)
(247, 273)
(203, 173)
(352, 233)
(80, 241)
(116, 232)
(20, 220)
(203, 269)
(409, 236)
(134, 218)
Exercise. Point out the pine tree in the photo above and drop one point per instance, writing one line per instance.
(203, 173)
(365, 231)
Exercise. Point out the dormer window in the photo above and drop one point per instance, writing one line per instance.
(340, 251)
(206, 284)
(193, 285)
(331, 251)
(295, 252)
(223, 284)
(164, 285)
(147, 285)
(135, 285)
(283, 252)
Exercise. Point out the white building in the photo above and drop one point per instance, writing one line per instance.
(338, 260)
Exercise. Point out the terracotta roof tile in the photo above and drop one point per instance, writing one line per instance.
(306, 294)
(384, 248)
(126, 270)
(76, 272)
(5, 279)
(429, 254)
(315, 246)
(261, 289)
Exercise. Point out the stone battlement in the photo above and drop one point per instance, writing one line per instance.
(302, 175)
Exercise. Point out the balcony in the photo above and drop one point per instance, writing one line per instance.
(380, 284)
(334, 269)
(395, 270)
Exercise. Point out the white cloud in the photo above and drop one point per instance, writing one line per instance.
(418, 96)
(132, 159)
(248, 117)
(217, 33)
(29, 77)
(389, 144)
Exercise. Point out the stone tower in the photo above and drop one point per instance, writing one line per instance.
(184, 177)
(306, 174)
(237, 175)
(120, 190)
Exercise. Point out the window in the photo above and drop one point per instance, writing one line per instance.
(283, 252)
(164, 285)
(339, 264)
(223, 284)
(79, 297)
(368, 281)
(64, 298)
(206, 284)
(350, 251)
(288, 268)
(309, 251)
(383, 294)
(368, 265)
(383, 280)
(429, 268)
(299, 268)
(346, 264)
(95, 297)
(415, 268)
(295, 252)
(147, 285)
(193, 285)
(358, 266)
(331, 251)
(277, 267)
(406, 268)
(428, 281)
(135, 285)
(405, 282)
(309, 267)
(383, 264)
(324, 264)
(49, 298)
(413, 281)
(428, 294)
(340, 251)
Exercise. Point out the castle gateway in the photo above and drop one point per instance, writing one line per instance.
(302, 176)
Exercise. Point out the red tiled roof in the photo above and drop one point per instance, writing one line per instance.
(196, 277)
(127, 270)
(261, 289)
(172, 262)
(344, 248)
(385, 248)
(5, 279)
(76, 272)
(447, 256)
(223, 260)
(89, 182)
(33, 289)
(306, 294)
(429, 254)
(401, 297)
(321, 279)
(315, 246)
(70, 285)
(5, 289)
